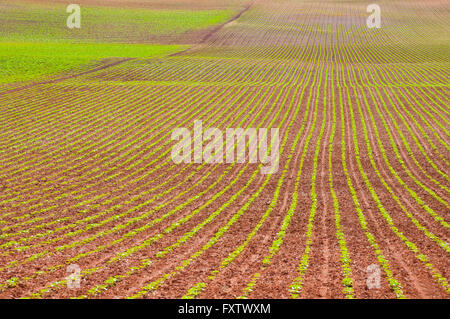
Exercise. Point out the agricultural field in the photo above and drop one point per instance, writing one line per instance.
(35, 43)
(359, 206)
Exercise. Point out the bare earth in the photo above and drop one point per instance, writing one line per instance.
(86, 176)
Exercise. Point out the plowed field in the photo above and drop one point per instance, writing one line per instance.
(362, 189)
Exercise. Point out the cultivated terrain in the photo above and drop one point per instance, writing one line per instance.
(87, 179)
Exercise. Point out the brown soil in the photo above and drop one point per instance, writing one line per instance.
(87, 178)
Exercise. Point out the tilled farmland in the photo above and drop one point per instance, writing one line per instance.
(358, 208)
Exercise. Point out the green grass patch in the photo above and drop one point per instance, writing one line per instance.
(35, 40)
(20, 61)
(104, 24)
